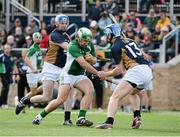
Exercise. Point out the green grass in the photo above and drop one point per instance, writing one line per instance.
(157, 123)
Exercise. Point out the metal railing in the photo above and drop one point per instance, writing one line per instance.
(23, 9)
(175, 32)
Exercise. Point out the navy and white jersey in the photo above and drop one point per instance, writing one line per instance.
(55, 53)
(126, 50)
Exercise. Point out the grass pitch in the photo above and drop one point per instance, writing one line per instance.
(156, 123)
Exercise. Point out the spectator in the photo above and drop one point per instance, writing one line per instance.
(163, 21)
(28, 31)
(11, 41)
(130, 33)
(104, 20)
(17, 23)
(135, 21)
(95, 11)
(43, 25)
(124, 20)
(3, 37)
(34, 26)
(95, 33)
(2, 69)
(19, 38)
(29, 42)
(6, 77)
(45, 38)
(51, 26)
(148, 5)
(111, 7)
(151, 20)
(147, 44)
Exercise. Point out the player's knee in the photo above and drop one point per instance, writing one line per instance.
(89, 93)
(114, 97)
(46, 98)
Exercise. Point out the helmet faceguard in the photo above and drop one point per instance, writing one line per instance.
(61, 18)
(37, 37)
(84, 34)
(112, 30)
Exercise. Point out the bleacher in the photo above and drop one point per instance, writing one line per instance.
(75, 14)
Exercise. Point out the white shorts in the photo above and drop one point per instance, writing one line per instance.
(33, 79)
(71, 79)
(50, 72)
(113, 86)
(140, 75)
(149, 87)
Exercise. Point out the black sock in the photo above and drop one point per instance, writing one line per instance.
(137, 113)
(143, 107)
(26, 101)
(149, 108)
(109, 120)
(67, 115)
(122, 108)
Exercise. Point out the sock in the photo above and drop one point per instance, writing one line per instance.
(82, 113)
(43, 113)
(149, 108)
(67, 115)
(109, 120)
(26, 101)
(143, 107)
(137, 113)
(122, 108)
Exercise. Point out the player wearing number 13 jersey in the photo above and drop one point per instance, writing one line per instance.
(138, 74)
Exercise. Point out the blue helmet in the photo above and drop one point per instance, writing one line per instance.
(112, 29)
(61, 18)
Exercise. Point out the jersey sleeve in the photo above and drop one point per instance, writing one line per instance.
(116, 53)
(31, 52)
(74, 51)
(93, 52)
(57, 38)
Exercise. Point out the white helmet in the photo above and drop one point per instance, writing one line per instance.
(84, 34)
(37, 35)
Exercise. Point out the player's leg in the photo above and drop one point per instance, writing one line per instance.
(149, 95)
(32, 81)
(63, 93)
(123, 89)
(67, 109)
(135, 102)
(85, 86)
(47, 86)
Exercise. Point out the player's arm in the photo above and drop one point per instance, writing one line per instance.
(91, 57)
(116, 71)
(119, 68)
(64, 45)
(75, 52)
(84, 64)
(59, 40)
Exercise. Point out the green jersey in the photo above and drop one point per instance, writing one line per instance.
(35, 56)
(75, 51)
(2, 66)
